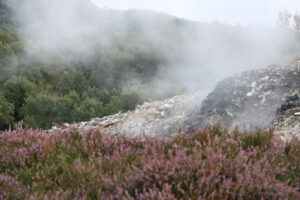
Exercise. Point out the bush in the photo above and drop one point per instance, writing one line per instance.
(39, 111)
(209, 164)
(72, 81)
(16, 90)
(89, 108)
(6, 112)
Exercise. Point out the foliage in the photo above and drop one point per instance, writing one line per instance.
(73, 81)
(116, 67)
(38, 111)
(6, 112)
(70, 87)
(210, 164)
(89, 108)
(16, 90)
(6, 20)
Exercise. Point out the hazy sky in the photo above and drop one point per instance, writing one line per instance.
(261, 12)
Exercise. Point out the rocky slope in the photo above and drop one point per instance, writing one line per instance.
(287, 122)
(151, 118)
(268, 97)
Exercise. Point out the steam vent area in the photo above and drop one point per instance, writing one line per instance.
(267, 98)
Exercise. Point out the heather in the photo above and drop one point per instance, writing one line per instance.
(209, 164)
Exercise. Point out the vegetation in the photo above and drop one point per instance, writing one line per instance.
(210, 164)
(111, 70)
(68, 86)
(6, 111)
(287, 19)
(41, 87)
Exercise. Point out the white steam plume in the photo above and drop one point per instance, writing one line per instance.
(204, 53)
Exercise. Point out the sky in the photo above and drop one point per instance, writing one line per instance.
(243, 12)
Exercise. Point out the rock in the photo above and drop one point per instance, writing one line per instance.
(152, 118)
(287, 123)
(66, 125)
(54, 128)
(265, 98)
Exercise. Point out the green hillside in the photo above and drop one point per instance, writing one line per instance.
(70, 86)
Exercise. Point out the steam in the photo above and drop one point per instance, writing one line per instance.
(54, 26)
(197, 55)
(220, 51)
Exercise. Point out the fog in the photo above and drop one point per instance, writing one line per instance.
(219, 52)
(198, 54)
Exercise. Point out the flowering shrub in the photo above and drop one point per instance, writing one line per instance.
(210, 164)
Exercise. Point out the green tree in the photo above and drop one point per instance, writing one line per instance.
(66, 108)
(115, 105)
(129, 101)
(9, 47)
(6, 113)
(6, 20)
(16, 90)
(72, 81)
(102, 94)
(39, 111)
(90, 108)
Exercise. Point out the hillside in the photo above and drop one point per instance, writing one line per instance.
(155, 118)
(69, 61)
(106, 75)
(100, 103)
(266, 98)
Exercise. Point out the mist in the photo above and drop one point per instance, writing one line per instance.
(220, 51)
(195, 55)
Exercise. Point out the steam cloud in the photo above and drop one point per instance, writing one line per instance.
(208, 52)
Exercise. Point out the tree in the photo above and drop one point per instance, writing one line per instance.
(103, 94)
(72, 81)
(66, 108)
(39, 111)
(90, 108)
(115, 105)
(129, 101)
(6, 19)
(6, 112)
(9, 46)
(15, 91)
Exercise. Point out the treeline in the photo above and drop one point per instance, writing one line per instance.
(39, 93)
(40, 90)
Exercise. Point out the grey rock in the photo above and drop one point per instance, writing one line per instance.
(66, 125)
(152, 118)
(265, 98)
